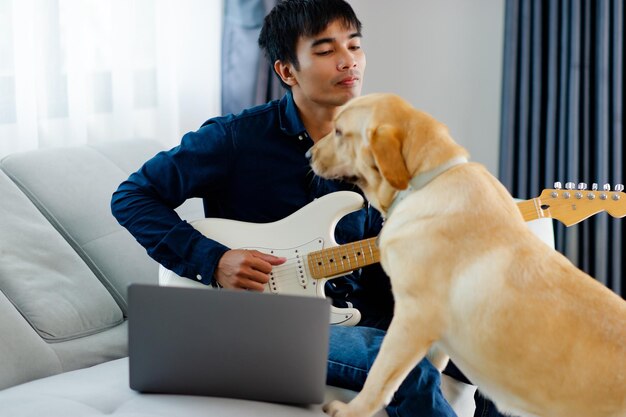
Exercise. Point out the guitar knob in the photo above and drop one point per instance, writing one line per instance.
(558, 185)
(570, 185)
(582, 185)
(606, 187)
(619, 187)
(594, 187)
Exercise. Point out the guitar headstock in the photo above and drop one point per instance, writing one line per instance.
(575, 203)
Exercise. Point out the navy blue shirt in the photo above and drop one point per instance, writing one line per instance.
(250, 167)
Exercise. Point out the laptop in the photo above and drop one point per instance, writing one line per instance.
(236, 344)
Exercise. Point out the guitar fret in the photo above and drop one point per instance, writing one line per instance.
(362, 251)
(532, 209)
(318, 261)
(331, 261)
(537, 206)
(343, 266)
(345, 259)
(313, 261)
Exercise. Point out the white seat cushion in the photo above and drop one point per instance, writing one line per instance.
(103, 390)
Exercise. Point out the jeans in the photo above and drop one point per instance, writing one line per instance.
(484, 406)
(351, 355)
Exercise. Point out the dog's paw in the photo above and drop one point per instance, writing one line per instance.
(336, 409)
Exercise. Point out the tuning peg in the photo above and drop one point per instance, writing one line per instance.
(558, 185)
(594, 187)
(570, 185)
(582, 185)
(619, 187)
(605, 188)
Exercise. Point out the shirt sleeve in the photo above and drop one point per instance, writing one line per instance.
(145, 203)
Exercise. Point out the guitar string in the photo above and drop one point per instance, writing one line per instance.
(289, 268)
(286, 271)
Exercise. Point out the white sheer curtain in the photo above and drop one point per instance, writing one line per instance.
(82, 71)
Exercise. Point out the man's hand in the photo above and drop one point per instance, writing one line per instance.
(245, 269)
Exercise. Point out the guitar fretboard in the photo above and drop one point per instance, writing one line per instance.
(341, 259)
(532, 209)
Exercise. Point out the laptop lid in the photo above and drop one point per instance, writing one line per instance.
(224, 343)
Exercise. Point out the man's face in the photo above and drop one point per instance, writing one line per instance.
(331, 66)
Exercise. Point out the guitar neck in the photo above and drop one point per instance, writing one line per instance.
(339, 260)
(532, 209)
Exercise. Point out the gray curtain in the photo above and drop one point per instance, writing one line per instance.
(247, 78)
(562, 116)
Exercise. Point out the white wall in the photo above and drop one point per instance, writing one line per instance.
(445, 57)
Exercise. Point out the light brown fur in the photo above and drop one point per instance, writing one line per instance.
(536, 334)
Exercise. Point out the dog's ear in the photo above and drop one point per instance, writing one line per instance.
(386, 145)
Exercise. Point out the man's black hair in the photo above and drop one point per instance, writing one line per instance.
(291, 19)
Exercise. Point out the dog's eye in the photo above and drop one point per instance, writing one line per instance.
(338, 132)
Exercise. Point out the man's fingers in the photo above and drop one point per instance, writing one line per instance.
(251, 285)
(263, 262)
(247, 269)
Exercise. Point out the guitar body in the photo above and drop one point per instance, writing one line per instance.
(309, 229)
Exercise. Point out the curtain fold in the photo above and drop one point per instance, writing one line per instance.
(247, 77)
(562, 117)
(83, 71)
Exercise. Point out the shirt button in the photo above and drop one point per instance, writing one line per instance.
(199, 277)
(300, 137)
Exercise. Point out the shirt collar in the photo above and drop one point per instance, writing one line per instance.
(290, 122)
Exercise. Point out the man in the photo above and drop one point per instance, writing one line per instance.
(252, 167)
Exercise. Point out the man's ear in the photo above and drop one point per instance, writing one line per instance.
(285, 72)
(386, 145)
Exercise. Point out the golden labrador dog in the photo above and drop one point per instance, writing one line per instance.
(534, 333)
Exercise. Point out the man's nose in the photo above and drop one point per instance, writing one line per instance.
(346, 61)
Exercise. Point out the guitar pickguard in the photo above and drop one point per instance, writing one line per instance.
(292, 277)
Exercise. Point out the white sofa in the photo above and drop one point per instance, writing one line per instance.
(65, 265)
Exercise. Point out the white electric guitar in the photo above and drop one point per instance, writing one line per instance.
(306, 239)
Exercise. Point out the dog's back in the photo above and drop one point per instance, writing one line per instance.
(538, 331)
(535, 333)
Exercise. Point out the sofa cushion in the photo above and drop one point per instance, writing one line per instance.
(72, 187)
(47, 282)
(25, 356)
(104, 390)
